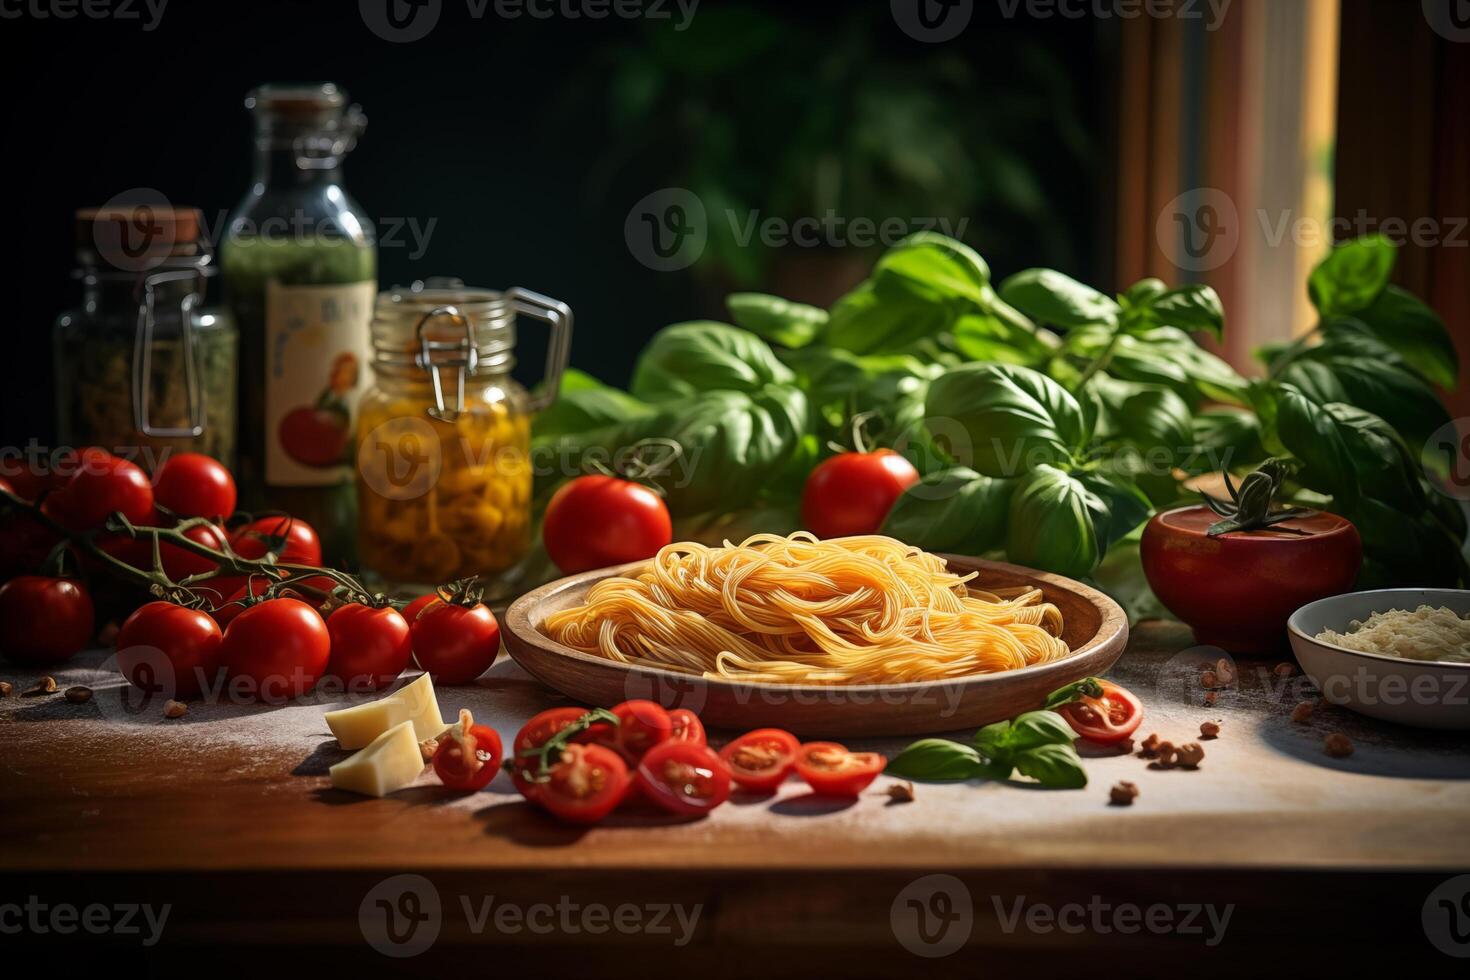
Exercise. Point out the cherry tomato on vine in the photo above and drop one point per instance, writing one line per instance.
(102, 485)
(412, 610)
(830, 770)
(687, 727)
(852, 493)
(279, 647)
(302, 547)
(27, 543)
(586, 784)
(533, 734)
(179, 563)
(44, 620)
(169, 650)
(468, 755)
(1105, 720)
(370, 647)
(194, 485)
(761, 760)
(29, 483)
(641, 726)
(596, 521)
(455, 643)
(684, 778)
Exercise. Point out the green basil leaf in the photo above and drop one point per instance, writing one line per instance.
(777, 320)
(1311, 434)
(1352, 276)
(1051, 523)
(936, 759)
(1117, 504)
(936, 266)
(1158, 423)
(985, 337)
(1194, 308)
(993, 742)
(1054, 766)
(1165, 356)
(1037, 728)
(1348, 451)
(584, 404)
(867, 322)
(1403, 322)
(1048, 296)
(1402, 549)
(1013, 417)
(1142, 293)
(955, 510)
(690, 359)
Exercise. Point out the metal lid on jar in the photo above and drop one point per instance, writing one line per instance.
(441, 321)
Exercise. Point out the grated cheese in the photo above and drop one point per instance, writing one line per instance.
(1426, 633)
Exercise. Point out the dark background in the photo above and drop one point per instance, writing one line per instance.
(516, 137)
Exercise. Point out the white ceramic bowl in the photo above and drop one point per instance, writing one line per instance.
(1425, 694)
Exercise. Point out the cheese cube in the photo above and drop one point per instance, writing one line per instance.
(390, 762)
(360, 724)
(423, 708)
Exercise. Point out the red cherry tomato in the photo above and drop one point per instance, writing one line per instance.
(534, 734)
(28, 481)
(456, 643)
(852, 493)
(370, 647)
(279, 648)
(302, 547)
(584, 785)
(761, 760)
(27, 542)
(412, 610)
(233, 605)
(44, 621)
(315, 436)
(831, 770)
(641, 726)
(468, 755)
(194, 485)
(1105, 720)
(102, 485)
(170, 650)
(596, 521)
(687, 727)
(684, 778)
(179, 563)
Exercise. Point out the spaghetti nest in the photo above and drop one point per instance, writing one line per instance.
(861, 610)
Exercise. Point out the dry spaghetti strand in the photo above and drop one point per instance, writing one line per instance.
(861, 610)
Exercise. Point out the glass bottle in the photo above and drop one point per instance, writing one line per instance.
(142, 368)
(444, 434)
(300, 273)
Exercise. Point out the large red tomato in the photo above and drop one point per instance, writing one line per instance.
(370, 647)
(169, 649)
(852, 493)
(456, 643)
(194, 485)
(278, 649)
(44, 621)
(596, 521)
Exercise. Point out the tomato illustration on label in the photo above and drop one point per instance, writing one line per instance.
(317, 435)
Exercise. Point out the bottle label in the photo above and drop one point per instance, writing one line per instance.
(317, 349)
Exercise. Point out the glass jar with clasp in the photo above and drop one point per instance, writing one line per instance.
(444, 433)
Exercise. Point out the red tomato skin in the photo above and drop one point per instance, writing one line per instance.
(303, 547)
(641, 725)
(179, 563)
(765, 780)
(280, 648)
(447, 762)
(590, 809)
(195, 485)
(103, 484)
(687, 727)
(1105, 733)
(654, 786)
(597, 521)
(852, 493)
(315, 436)
(370, 647)
(187, 638)
(44, 621)
(846, 783)
(412, 610)
(535, 733)
(456, 643)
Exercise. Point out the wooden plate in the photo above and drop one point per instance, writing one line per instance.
(1096, 629)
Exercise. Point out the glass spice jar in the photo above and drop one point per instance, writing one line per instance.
(444, 434)
(142, 368)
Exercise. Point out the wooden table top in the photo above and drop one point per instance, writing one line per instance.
(89, 790)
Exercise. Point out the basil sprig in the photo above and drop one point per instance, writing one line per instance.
(1038, 744)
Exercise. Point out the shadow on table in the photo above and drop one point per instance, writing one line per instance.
(1380, 748)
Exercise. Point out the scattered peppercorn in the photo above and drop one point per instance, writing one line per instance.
(1209, 729)
(1338, 745)
(175, 709)
(901, 792)
(1302, 712)
(5, 689)
(1190, 755)
(1123, 794)
(79, 694)
(1210, 679)
(46, 685)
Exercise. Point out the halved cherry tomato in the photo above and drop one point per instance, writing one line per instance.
(1105, 720)
(584, 785)
(687, 727)
(534, 734)
(762, 759)
(831, 770)
(684, 778)
(641, 726)
(468, 755)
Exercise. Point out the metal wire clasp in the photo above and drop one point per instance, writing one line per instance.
(464, 364)
(143, 359)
